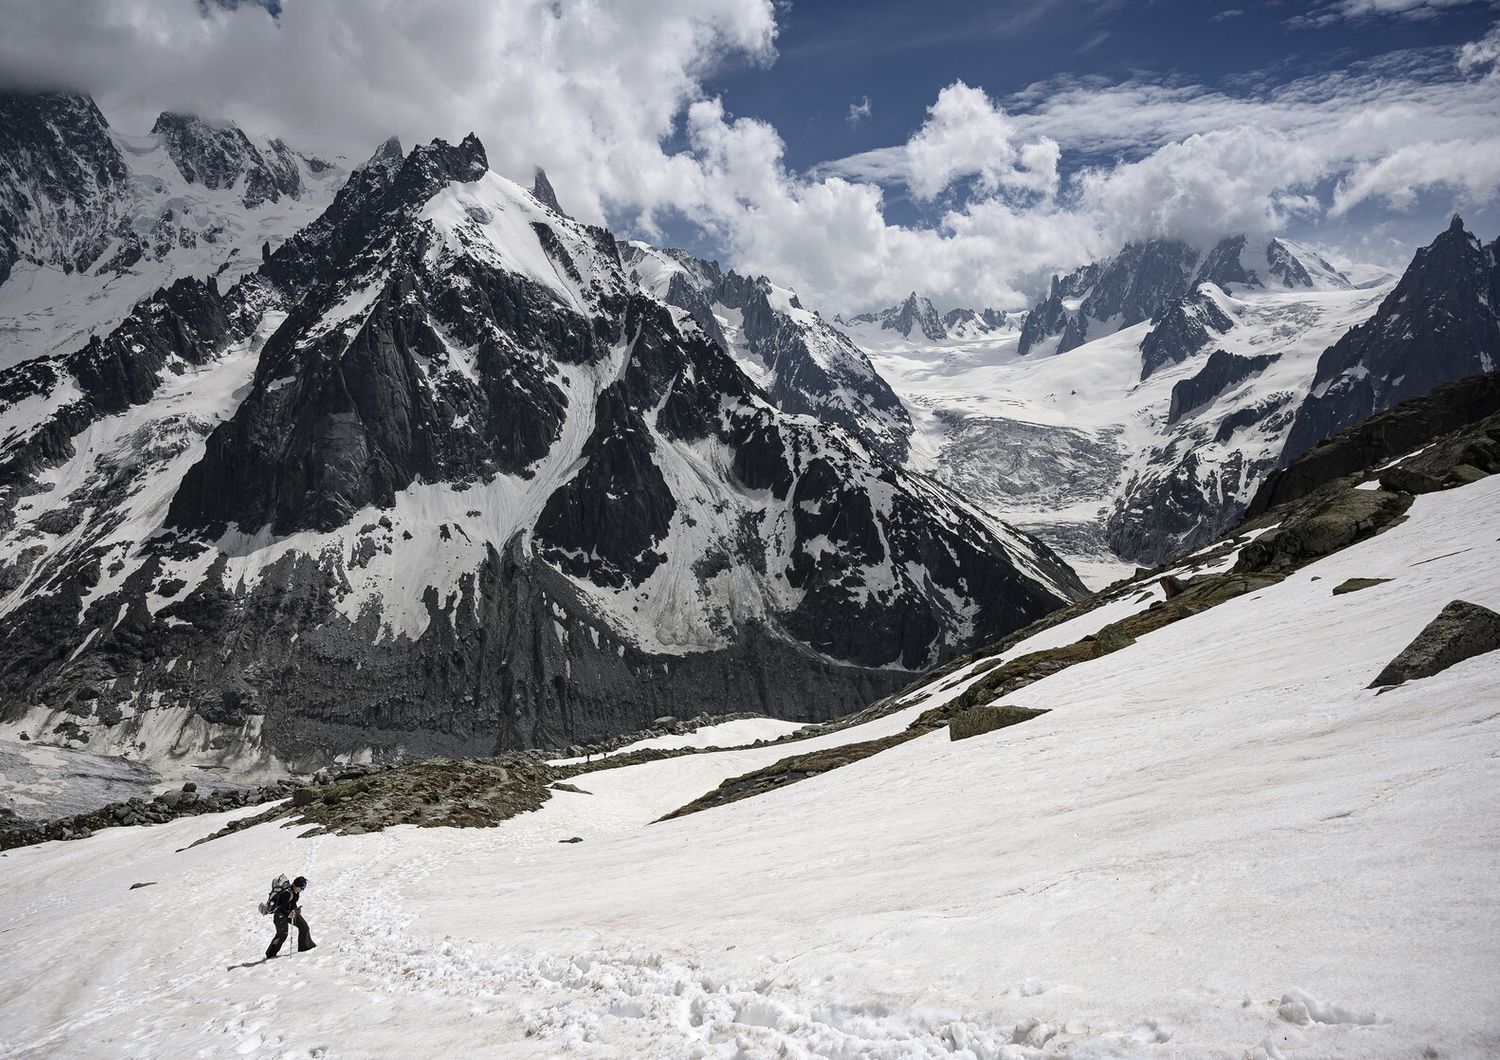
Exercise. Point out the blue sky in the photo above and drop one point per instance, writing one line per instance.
(889, 59)
(832, 54)
(858, 149)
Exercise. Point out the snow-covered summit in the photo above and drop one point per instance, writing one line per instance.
(515, 496)
(1144, 279)
(218, 155)
(915, 313)
(1270, 263)
(93, 220)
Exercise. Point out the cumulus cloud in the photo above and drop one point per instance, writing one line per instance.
(589, 90)
(967, 135)
(1481, 56)
(610, 98)
(1471, 166)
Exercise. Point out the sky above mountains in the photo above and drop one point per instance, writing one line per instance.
(859, 150)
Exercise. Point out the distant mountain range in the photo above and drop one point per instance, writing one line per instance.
(1143, 401)
(301, 460)
(917, 314)
(443, 472)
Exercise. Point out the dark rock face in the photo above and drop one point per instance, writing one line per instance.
(219, 155)
(1052, 317)
(439, 516)
(541, 188)
(914, 314)
(1221, 371)
(605, 522)
(804, 365)
(988, 717)
(1460, 631)
(1223, 266)
(1284, 266)
(1134, 285)
(60, 176)
(1332, 523)
(1438, 325)
(188, 322)
(1183, 328)
(1382, 438)
(1162, 516)
(1354, 585)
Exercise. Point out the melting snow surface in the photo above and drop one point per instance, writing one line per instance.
(1219, 843)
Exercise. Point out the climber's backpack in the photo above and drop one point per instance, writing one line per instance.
(279, 884)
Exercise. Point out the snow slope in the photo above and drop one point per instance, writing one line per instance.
(1218, 843)
(726, 734)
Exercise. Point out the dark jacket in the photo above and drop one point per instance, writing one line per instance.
(284, 903)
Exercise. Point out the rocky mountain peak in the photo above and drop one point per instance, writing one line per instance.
(1224, 265)
(915, 313)
(1098, 299)
(218, 155)
(458, 481)
(541, 187)
(388, 155)
(802, 363)
(389, 188)
(963, 323)
(61, 176)
(1438, 324)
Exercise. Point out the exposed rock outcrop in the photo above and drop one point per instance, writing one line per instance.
(1134, 285)
(1182, 328)
(1219, 373)
(1460, 631)
(61, 176)
(1385, 438)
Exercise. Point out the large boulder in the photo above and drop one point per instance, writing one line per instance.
(976, 721)
(1335, 523)
(1461, 631)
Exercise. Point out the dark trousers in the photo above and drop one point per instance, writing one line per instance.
(304, 937)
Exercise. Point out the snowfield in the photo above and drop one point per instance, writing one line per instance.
(1056, 441)
(1219, 843)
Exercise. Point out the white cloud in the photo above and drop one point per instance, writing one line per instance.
(1009, 189)
(1482, 55)
(1332, 12)
(967, 135)
(858, 112)
(588, 89)
(1470, 166)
